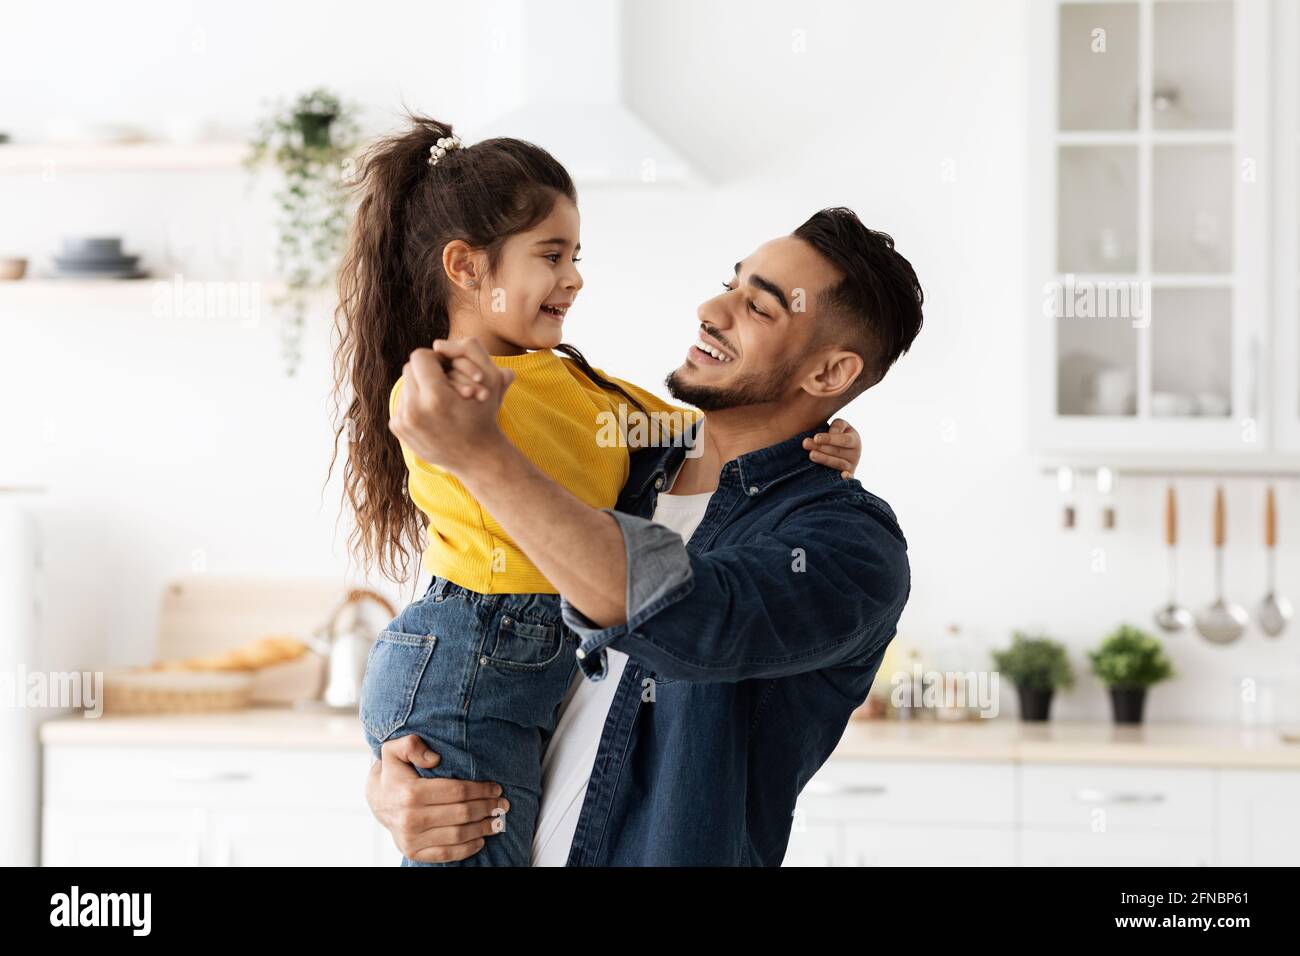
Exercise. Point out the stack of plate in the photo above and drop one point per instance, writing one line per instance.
(95, 259)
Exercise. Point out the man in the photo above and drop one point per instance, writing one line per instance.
(720, 674)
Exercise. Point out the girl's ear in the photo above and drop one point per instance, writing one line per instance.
(462, 264)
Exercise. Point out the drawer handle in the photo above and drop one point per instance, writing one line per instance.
(210, 776)
(822, 788)
(1103, 796)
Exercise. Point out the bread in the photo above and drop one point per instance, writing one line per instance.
(263, 652)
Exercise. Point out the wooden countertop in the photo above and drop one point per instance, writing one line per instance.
(1073, 742)
(998, 740)
(259, 726)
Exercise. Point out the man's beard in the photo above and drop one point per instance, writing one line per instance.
(747, 390)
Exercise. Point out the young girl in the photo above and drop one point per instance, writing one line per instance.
(453, 241)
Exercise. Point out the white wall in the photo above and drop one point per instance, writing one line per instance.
(163, 440)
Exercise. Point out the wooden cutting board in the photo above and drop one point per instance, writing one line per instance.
(206, 614)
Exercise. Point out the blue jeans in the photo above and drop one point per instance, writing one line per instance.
(480, 677)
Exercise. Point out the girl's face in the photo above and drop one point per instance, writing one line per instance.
(522, 303)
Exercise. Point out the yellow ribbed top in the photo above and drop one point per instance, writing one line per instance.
(567, 426)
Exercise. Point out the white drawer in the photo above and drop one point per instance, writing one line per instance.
(1115, 848)
(1102, 798)
(847, 789)
(205, 777)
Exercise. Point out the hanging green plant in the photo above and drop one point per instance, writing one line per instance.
(310, 141)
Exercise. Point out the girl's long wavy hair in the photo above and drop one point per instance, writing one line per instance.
(393, 295)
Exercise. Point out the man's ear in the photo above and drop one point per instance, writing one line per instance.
(463, 264)
(835, 374)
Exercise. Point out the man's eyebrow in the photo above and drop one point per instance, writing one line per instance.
(557, 242)
(768, 286)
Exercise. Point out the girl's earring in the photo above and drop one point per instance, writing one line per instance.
(473, 283)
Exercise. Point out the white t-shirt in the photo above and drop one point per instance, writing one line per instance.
(571, 752)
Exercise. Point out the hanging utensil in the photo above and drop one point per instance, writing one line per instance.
(1065, 484)
(1222, 622)
(1274, 611)
(1106, 487)
(1173, 617)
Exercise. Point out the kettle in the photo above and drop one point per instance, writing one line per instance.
(345, 642)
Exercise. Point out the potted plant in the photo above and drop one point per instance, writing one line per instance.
(1128, 662)
(1037, 666)
(309, 141)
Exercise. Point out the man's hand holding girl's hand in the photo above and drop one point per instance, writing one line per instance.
(432, 417)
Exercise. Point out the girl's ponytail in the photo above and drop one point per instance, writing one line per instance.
(389, 304)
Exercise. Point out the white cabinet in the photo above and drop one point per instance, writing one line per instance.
(882, 813)
(76, 834)
(1117, 816)
(1149, 196)
(208, 806)
(1285, 366)
(1259, 818)
(858, 812)
(1054, 848)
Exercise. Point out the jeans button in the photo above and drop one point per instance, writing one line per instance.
(505, 621)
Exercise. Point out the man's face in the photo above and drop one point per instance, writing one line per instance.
(763, 325)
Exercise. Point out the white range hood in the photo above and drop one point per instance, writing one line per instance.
(571, 89)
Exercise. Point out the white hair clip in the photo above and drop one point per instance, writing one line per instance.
(440, 148)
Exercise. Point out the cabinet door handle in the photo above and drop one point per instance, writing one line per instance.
(1088, 795)
(210, 776)
(822, 788)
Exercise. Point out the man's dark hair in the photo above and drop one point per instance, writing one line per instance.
(875, 307)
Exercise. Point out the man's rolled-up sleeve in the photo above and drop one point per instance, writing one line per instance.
(658, 573)
(826, 586)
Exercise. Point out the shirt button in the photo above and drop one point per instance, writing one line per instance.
(581, 654)
(753, 489)
(659, 482)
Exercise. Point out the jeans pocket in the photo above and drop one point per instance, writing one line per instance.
(393, 671)
(521, 645)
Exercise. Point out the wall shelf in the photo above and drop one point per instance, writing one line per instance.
(1267, 467)
(152, 294)
(41, 158)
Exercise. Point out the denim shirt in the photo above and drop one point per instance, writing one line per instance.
(749, 647)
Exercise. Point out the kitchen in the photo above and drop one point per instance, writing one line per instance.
(1093, 448)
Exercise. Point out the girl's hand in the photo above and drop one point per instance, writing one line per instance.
(465, 376)
(841, 448)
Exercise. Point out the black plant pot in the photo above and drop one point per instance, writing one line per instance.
(1126, 703)
(315, 129)
(1035, 702)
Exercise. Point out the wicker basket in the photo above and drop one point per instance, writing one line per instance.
(176, 692)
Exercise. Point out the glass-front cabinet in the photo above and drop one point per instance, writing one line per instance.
(1285, 364)
(1149, 239)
